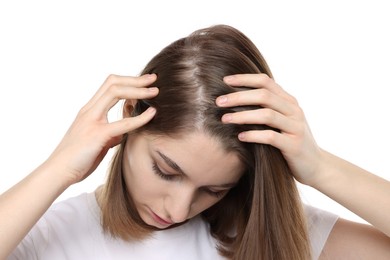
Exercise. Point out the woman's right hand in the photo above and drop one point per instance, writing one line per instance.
(77, 155)
(91, 135)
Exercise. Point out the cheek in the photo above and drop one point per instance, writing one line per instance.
(142, 183)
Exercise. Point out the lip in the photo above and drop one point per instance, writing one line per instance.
(160, 220)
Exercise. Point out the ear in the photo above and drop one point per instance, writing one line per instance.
(128, 107)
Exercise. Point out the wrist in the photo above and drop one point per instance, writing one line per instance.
(320, 172)
(56, 175)
(325, 174)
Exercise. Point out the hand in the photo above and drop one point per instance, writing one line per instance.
(279, 110)
(91, 135)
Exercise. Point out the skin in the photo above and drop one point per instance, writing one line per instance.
(91, 136)
(208, 173)
(344, 182)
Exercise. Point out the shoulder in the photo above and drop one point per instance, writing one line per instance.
(75, 217)
(79, 206)
(64, 216)
(73, 222)
(332, 237)
(320, 224)
(353, 240)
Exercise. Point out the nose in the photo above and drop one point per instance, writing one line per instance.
(179, 203)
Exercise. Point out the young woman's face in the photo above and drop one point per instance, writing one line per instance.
(173, 180)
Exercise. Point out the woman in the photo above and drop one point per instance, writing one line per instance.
(207, 154)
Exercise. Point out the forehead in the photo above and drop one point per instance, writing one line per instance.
(200, 156)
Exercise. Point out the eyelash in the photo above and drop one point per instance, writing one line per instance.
(168, 177)
(164, 176)
(216, 194)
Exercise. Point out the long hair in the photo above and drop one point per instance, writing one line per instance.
(262, 217)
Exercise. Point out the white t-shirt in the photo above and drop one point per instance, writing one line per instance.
(71, 229)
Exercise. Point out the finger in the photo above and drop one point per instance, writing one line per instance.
(128, 124)
(270, 137)
(118, 92)
(257, 81)
(262, 97)
(262, 116)
(117, 80)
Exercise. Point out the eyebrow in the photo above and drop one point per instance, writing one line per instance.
(177, 168)
(171, 163)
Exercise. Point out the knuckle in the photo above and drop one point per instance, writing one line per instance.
(263, 95)
(135, 80)
(269, 136)
(264, 77)
(235, 97)
(114, 89)
(111, 79)
(136, 122)
(130, 123)
(294, 100)
(82, 110)
(298, 111)
(268, 114)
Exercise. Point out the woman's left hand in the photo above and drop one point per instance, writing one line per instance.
(358, 190)
(279, 110)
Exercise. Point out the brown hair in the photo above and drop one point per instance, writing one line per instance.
(264, 209)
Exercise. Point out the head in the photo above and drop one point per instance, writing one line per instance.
(186, 162)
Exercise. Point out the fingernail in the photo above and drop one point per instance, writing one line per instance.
(152, 89)
(241, 136)
(222, 100)
(228, 79)
(227, 118)
(150, 76)
(151, 110)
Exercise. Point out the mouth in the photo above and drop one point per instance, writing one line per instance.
(162, 222)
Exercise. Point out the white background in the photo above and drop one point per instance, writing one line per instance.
(332, 55)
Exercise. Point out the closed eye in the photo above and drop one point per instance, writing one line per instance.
(217, 194)
(159, 172)
(170, 177)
